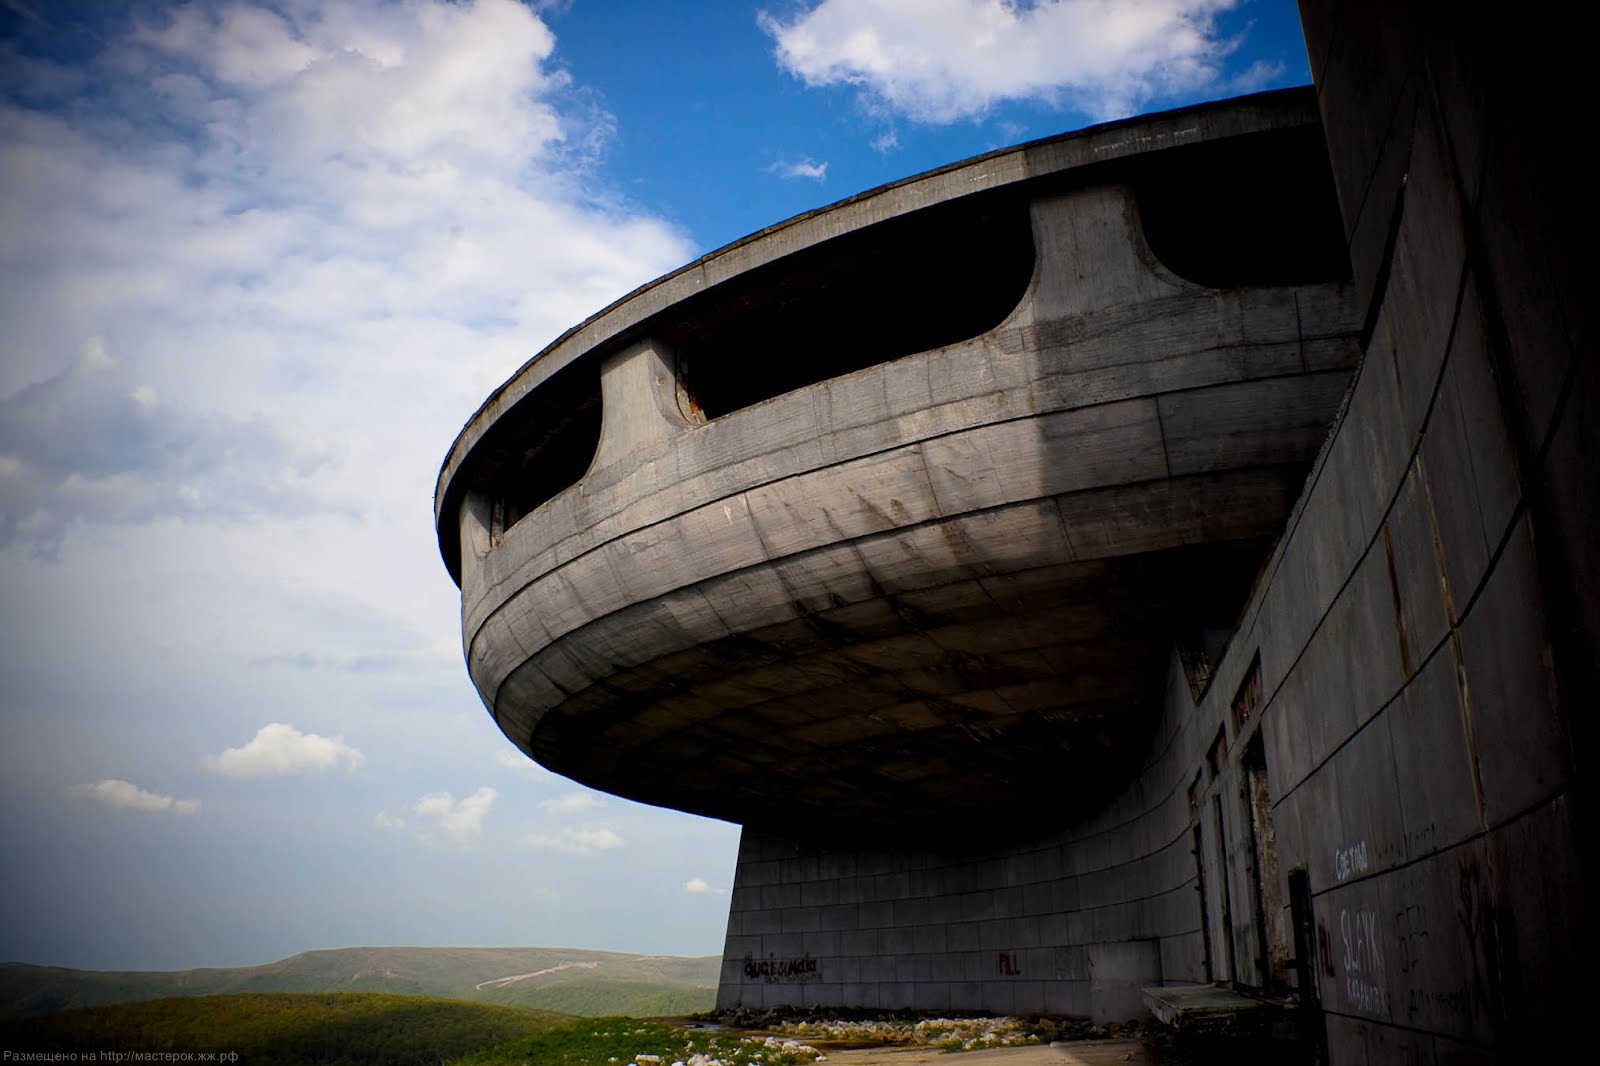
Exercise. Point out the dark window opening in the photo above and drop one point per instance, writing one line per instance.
(544, 447)
(1257, 210)
(1247, 701)
(1218, 592)
(911, 284)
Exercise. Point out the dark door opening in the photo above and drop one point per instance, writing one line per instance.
(1271, 939)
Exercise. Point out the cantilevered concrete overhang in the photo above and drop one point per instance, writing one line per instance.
(886, 519)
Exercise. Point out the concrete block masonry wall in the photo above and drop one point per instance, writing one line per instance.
(1427, 738)
(1076, 923)
(1426, 635)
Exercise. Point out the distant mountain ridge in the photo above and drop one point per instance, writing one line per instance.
(570, 980)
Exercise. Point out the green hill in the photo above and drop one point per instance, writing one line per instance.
(283, 1029)
(571, 980)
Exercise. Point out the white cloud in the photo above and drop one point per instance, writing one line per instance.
(279, 749)
(940, 61)
(579, 841)
(243, 216)
(804, 168)
(115, 792)
(571, 803)
(697, 886)
(461, 820)
(385, 820)
(92, 444)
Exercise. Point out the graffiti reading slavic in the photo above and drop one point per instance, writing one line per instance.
(774, 970)
(1364, 977)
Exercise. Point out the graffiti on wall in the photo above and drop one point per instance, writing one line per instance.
(1356, 951)
(1364, 977)
(1429, 968)
(1010, 965)
(773, 970)
(1351, 861)
(1459, 996)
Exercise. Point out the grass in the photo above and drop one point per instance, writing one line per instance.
(285, 1029)
(594, 998)
(625, 1041)
(570, 980)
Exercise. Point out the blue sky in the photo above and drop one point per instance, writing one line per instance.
(260, 261)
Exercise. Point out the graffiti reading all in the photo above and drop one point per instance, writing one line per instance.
(772, 969)
(1348, 862)
(1364, 982)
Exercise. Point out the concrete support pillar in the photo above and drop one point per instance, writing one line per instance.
(638, 393)
(1092, 255)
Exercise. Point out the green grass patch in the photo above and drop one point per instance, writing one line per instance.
(286, 1029)
(571, 980)
(625, 1041)
(596, 998)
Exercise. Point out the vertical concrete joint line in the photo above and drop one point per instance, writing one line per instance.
(1458, 659)
(1299, 332)
(1394, 594)
(1161, 427)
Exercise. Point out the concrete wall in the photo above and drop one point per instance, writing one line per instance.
(1075, 923)
(1426, 635)
(1430, 634)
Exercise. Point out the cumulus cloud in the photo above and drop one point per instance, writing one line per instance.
(385, 820)
(804, 168)
(571, 803)
(461, 820)
(114, 792)
(941, 61)
(698, 886)
(579, 841)
(280, 749)
(234, 218)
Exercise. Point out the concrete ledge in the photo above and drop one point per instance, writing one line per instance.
(1210, 1008)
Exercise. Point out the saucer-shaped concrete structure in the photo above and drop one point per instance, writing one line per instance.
(885, 519)
(1163, 554)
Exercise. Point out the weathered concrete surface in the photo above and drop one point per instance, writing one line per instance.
(1412, 682)
(1203, 1008)
(935, 593)
(1430, 633)
(997, 170)
(837, 609)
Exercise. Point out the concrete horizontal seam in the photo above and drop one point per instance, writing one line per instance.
(1383, 520)
(968, 427)
(495, 612)
(1329, 444)
(1473, 837)
(1382, 708)
(599, 620)
(1368, 1019)
(1253, 609)
(1259, 599)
